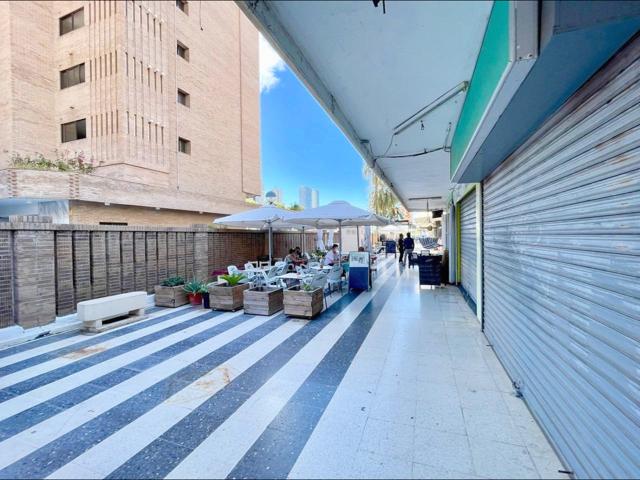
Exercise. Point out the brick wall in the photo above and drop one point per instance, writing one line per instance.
(46, 269)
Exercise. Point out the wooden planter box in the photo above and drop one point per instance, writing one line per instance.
(298, 303)
(263, 300)
(223, 297)
(170, 296)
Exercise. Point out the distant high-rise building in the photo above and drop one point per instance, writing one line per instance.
(315, 198)
(304, 197)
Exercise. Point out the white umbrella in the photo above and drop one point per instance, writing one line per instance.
(319, 242)
(371, 220)
(332, 215)
(268, 216)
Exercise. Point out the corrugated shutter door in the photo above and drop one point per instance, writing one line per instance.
(562, 273)
(468, 246)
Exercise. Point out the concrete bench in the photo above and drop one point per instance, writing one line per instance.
(104, 313)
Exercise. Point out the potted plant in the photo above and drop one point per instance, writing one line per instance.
(303, 300)
(227, 294)
(194, 290)
(170, 293)
(263, 299)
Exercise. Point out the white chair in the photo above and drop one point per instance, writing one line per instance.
(302, 270)
(318, 280)
(315, 266)
(280, 268)
(307, 256)
(249, 271)
(232, 270)
(334, 277)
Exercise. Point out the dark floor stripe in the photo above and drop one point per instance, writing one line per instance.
(46, 460)
(27, 418)
(30, 362)
(51, 338)
(39, 342)
(45, 378)
(275, 452)
(166, 452)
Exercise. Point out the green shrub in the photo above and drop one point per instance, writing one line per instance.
(172, 282)
(233, 279)
(195, 286)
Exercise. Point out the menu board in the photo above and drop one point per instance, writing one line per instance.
(359, 274)
(358, 259)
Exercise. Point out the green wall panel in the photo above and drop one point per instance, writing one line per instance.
(491, 64)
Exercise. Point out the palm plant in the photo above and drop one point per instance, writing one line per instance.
(382, 200)
(233, 279)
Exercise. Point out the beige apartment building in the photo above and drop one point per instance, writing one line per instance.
(162, 97)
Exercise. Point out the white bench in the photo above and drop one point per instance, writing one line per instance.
(126, 308)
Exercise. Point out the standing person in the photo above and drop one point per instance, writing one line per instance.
(408, 248)
(401, 247)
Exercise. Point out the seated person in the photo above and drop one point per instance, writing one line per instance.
(332, 257)
(299, 258)
(291, 258)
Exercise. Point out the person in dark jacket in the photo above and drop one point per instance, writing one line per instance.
(408, 247)
(401, 247)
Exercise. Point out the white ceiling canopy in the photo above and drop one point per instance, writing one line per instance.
(373, 71)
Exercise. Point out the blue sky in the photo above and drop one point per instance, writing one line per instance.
(300, 145)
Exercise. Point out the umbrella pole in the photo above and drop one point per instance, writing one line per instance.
(270, 244)
(340, 231)
(303, 241)
(357, 238)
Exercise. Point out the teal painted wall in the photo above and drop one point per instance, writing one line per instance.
(491, 63)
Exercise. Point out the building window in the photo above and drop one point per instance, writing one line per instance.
(184, 98)
(72, 21)
(184, 145)
(183, 5)
(74, 130)
(183, 51)
(72, 76)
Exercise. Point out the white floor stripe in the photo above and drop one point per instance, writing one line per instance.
(24, 443)
(46, 392)
(115, 450)
(69, 358)
(20, 356)
(232, 440)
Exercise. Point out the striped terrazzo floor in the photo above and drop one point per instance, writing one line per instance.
(136, 401)
(191, 393)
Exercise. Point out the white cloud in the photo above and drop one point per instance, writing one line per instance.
(270, 65)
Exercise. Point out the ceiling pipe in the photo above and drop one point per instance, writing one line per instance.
(424, 111)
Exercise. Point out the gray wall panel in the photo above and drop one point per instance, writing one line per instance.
(562, 273)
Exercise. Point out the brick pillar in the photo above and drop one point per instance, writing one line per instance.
(65, 294)
(172, 268)
(34, 277)
(98, 265)
(6, 279)
(188, 252)
(82, 265)
(180, 253)
(152, 261)
(201, 255)
(126, 254)
(140, 261)
(114, 272)
(162, 256)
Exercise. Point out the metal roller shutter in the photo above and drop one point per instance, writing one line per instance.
(562, 273)
(468, 245)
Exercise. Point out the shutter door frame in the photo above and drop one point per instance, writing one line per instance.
(562, 272)
(468, 244)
